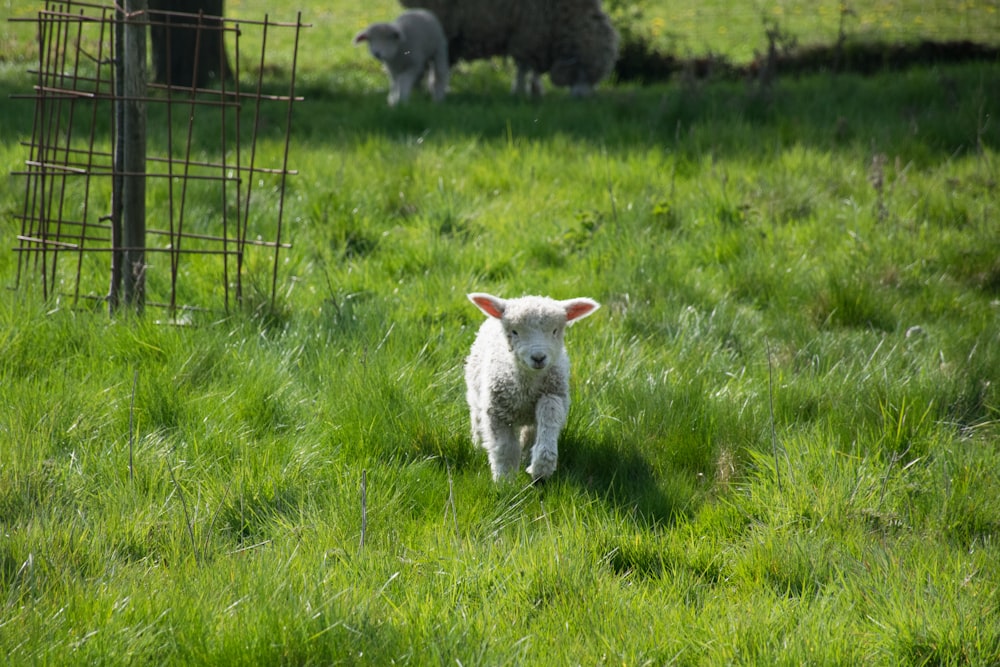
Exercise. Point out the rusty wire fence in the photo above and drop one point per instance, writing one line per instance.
(216, 165)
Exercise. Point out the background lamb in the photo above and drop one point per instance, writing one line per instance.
(407, 47)
(517, 379)
(572, 40)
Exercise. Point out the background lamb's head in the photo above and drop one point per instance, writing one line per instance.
(383, 40)
(534, 325)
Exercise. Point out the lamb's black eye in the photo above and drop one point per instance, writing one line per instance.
(513, 332)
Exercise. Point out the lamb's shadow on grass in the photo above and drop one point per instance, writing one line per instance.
(623, 478)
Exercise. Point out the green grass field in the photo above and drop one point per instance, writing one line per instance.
(737, 29)
(784, 445)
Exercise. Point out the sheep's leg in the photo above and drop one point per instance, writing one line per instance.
(536, 85)
(527, 441)
(550, 417)
(522, 80)
(503, 448)
(477, 429)
(527, 81)
(518, 84)
(402, 84)
(438, 80)
(472, 398)
(393, 98)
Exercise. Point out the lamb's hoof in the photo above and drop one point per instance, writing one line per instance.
(503, 474)
(539, 482)
(541, 471)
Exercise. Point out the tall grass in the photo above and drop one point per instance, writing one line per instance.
(738, 30)
(824, 251)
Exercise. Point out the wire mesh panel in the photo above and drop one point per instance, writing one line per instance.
(216, 163)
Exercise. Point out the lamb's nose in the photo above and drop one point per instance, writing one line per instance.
(538, 360)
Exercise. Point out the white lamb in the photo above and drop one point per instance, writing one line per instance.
(408, 47)
(572, 40)
(517, 379)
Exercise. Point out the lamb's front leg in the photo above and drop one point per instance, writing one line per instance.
(402, 84)
(550, 417)
(503, 448)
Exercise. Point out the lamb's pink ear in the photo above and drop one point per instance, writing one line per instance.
(579, 308)
(361, 36)
(489, 304)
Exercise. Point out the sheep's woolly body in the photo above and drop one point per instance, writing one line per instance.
(408, 47)
(572, 40)
(517, 379)
(585, 44)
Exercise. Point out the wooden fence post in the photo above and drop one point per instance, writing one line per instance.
(130, 264)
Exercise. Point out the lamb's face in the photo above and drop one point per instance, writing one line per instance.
(533, 326)
(536, 339)
(383, 40)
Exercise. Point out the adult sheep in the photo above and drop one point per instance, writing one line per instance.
(571, 40)
(517, 379)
